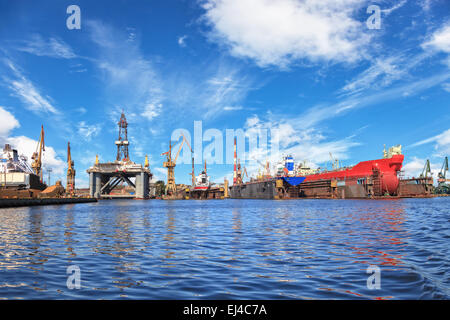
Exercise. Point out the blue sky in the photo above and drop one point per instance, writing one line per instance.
(313, 70)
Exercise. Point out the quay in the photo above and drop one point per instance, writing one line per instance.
(9, 203)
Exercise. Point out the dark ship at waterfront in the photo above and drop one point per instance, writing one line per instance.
(370, 179)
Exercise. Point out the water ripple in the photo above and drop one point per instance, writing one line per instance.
(231, 249)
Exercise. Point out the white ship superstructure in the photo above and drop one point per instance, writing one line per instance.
(11, 161)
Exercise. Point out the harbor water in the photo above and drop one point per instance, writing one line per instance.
(228, 249)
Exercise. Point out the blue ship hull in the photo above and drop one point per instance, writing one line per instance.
(294, 181)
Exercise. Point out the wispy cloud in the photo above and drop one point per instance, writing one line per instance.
(323, 112)
(87, 132)
(383, 72)
(52, 47)
(182, 41)
(27, 92)
(395, 7)
(226, 89)
(130, 78)
(441, 141)
(308, 144)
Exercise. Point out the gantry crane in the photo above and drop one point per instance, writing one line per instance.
(70, 184)
(170, 165)
(37, 155)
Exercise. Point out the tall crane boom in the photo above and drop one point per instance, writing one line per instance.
(426, 170)
(443, 173)
(70, 183)
(37, 155)
(170, 165)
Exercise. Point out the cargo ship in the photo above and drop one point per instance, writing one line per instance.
(16, 173)
(266, 186)
(367, 179)
(202, 181)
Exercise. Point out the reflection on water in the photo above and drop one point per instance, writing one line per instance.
(242, 249)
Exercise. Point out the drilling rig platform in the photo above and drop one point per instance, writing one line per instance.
(105, 179)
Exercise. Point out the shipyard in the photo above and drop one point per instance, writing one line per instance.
(196, 152)
(125, 179)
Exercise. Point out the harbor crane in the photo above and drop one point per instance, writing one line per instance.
(37, 155)
(70, 183)
(426, 170)
(443, 182)
(170, 165)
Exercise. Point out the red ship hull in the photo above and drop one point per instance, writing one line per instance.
(386, 169)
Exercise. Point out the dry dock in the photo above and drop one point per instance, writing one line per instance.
(8, 203)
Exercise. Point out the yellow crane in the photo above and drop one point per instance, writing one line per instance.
(170, 165)
(37, 155)
(70, 184)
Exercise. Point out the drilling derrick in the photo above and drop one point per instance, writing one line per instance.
(70, 187)
(122, 142)
(37, 155)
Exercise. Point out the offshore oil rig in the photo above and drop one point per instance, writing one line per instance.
(122, 178)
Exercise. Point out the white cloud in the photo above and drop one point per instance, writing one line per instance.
(131, 79)
(81, 110)
(7, 122)
(53, 47)
(159, 174)
(323, 112)
(304, 144)
(25, 90)
(442, 143)
(283, 31)
(439, 40)
(225, 90)
(232, 108)
(382, 72)
(182, 41)
(87, 132)
(446, 86)
(152, 110)
(414, 167)
(25, 145)
(395, 7)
